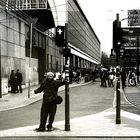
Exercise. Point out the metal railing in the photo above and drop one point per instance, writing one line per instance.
(7, 6)
(29, 4)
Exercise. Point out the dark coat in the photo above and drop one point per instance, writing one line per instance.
(12, 79)
(50, 89)
(18, 77)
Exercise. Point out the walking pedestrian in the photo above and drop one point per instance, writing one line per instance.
(12, 81)
(111, 78)
(18, 77)
(49, 106)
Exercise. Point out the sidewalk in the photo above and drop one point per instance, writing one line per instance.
(95, 125)
(98, 125)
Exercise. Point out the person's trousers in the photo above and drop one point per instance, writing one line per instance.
(19, 88)
(47, 109)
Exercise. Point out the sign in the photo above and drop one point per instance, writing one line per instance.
(131, 35)
(134, 17)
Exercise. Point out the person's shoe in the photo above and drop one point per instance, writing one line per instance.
(50, 129)
(40, 129)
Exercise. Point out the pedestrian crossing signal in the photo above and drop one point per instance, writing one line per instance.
(60, 36)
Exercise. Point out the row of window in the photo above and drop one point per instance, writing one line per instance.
(29, 4)
(80, 32)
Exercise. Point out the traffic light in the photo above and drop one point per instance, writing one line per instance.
(60, 36)
(116, 35)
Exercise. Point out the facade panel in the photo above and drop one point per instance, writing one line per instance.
(80, 33)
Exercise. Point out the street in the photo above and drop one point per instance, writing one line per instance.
(84, 100)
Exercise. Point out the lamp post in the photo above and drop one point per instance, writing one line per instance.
(31, 21)
(29, 80)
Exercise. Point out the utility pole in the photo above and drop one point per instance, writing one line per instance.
(67, 104)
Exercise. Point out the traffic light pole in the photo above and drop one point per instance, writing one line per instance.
(118, 118)
(67, 104)
(0, 71)
(138, 59)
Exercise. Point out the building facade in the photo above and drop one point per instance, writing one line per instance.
(41, 55)
(82, 40)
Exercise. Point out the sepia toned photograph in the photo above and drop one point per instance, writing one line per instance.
(69, 70)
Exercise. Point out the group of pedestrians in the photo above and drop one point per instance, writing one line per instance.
(15, 81)
(74, 76)
(127, 78)
(107, 77)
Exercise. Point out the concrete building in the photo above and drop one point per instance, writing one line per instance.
(33, 59)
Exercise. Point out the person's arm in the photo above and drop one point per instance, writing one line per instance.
(41, 88)
(62, 82)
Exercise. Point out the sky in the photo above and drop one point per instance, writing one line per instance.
(102, 13)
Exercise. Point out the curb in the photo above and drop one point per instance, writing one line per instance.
(36, 98)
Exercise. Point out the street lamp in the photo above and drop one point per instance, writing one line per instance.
(29, 80)
(31, 21)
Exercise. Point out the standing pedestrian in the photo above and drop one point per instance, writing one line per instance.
(71, 76)
(104, 78)
(123, 78)
(93, 76)
(130, 78)
(12, 81)
(49, 106)
(18, 77)
(134, 77)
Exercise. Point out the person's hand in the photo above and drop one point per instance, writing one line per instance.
(35, 92)
(66, 81)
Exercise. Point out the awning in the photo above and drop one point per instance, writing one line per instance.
(82, 54)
